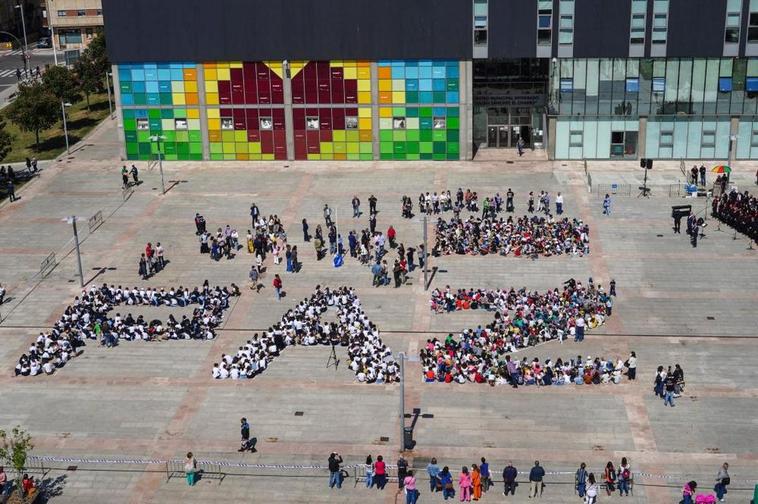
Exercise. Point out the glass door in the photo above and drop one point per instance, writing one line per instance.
(497, 136)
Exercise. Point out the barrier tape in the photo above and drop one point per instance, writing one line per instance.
(296, 467)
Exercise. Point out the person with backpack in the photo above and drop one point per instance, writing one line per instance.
(246, 443)
(609, 476)
(688, 491)
(446, 480)
(433, 470)
(624, 477)
(722, 481)
(580, 480)
(484, 469)
(592, 490)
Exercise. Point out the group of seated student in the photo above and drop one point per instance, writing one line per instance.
(449, 361)
(738, 210)
(88, 318)
(526, 236)
(369, 357)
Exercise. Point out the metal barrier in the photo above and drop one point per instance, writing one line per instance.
(47, 265)
(676, 190)
(36, 466)
(206, 469)
(359, 473)
(95, 221)
(601, 190)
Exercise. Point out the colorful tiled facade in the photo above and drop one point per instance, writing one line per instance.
(241, 110)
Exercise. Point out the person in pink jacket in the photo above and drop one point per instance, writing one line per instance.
(464, 484)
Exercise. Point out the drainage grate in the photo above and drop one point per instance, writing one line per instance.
(659, 236)
(710, 318)
(427, 415)
(509, 162)
(72, 468)
(298, 413)
(384, 439)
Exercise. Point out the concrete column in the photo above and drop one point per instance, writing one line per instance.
(289, 127)
(375, 110)
(119, 115)
(466, 109)
(551, 127)
(642, 138)
(203, 111)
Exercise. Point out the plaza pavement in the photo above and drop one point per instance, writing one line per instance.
(675, 304)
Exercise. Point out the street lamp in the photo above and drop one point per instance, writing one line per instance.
(72, 220)
(65, 127)
(158, 139)
(23, 27)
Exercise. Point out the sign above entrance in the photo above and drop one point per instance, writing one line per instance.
(485, 97)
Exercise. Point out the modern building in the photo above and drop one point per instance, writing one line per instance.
(435, 79)
(73, 23)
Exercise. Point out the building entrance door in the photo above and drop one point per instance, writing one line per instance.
(497, 136)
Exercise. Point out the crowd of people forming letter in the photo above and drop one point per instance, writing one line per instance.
(370, 359)
(89, 318)
(521, 319)
(739, 211)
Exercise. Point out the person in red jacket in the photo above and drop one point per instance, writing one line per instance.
(391, 236)
(277, 283)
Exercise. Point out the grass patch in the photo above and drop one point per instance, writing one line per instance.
(52, 142)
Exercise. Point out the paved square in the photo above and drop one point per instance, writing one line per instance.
(676, 304)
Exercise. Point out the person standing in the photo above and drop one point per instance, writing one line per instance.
(433, 470)
(295, 263)
(484, 468)
(631, 364)
(722, 481)
(356, 207)
(677, 222)
(244, 435)
(190, 468)
(254, 276)
(372, 223)
(612, 291)
(380, 473)
(391, 235)
(446, 482)
(530, 209)
(580, 323)
(509, 479)
(372, 204)
(124, 177)
(369, 468)
(624, 477)
(277, 284)
(592, 490)
(135, 174)
(464, 484)
(335, 476)
(143, 267)
(536, 474)
(669, 389)
(520, 146)
(11, 189)
(688, 492)
(580, 480)
(702, 175)
(509, 200)
(695, 233)
(306, 236)
(411, 493)
(159, 255)
(2, 294)
(255, 213)
(402, 471)
(476, 482)
(607, 205)
(559, 204)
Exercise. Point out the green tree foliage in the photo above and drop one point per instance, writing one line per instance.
(91, 67)
(15, 448)
(61, 82)
(6, 139)
(34, 109)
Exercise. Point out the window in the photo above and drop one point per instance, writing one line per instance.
(180, 124)
(480, 22)
(545, 22)
(480, 37)
(99, 12)
(398, 123)
(576, 138)
(311, 123)
(227, 123)
(633, 85)
(617, 144)
(143, 124)
(667, 139)
(267, 124)
(567, 85)
(566, 33)
(81, 12)
(70, 36)
(709, 138)
(725, 84)
(752, 29)
(751, 84)
(732, 31)
(62, 13)
(660, 21)
(637, 29)
(351, 122)
(659, 84)
(439, 123)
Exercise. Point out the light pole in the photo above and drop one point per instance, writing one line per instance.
(72, 220)
(65, 126)
(158, 138)
(426, 257)
(23, 28)
(401, 357)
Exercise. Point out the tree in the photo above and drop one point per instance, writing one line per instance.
(6, 139)
(34, 109)
(96, 52)
(61, 82)
(15, 449)
(89, 77)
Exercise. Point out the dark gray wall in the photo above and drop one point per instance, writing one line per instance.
(512, 29)
(696, 28)
(250, 30)
(601, 28)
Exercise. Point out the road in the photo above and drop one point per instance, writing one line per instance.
(11, 60)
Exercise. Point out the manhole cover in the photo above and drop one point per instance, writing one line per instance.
(659, 236)
(384, 439)
(509, 162)
(427, 415)
(298, 413)
(710, 318)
